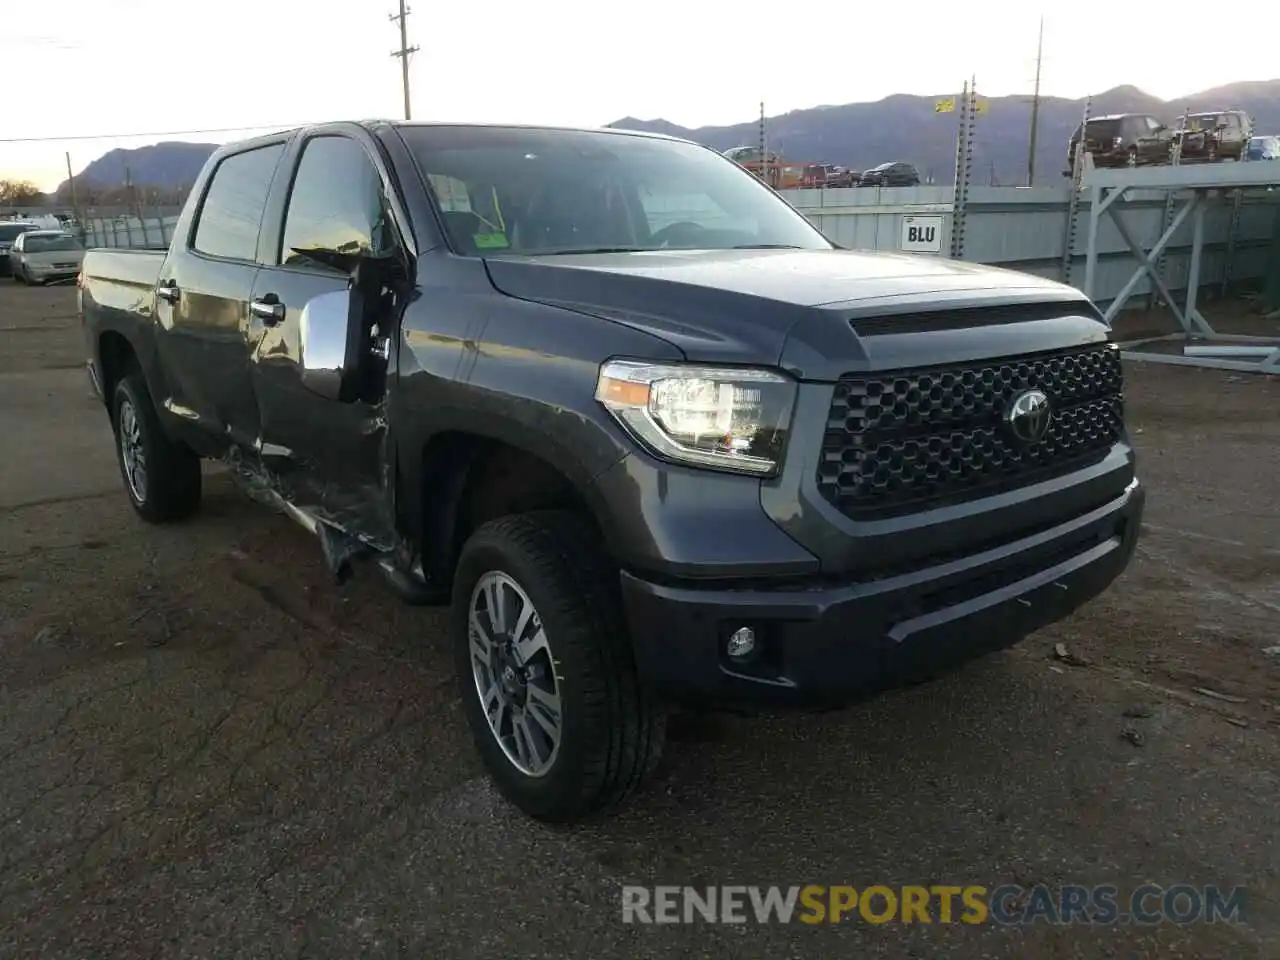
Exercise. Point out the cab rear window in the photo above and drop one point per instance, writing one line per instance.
(1104, 129)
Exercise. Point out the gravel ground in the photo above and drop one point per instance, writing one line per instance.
(207, 750)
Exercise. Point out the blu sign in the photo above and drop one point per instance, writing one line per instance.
(921, 234)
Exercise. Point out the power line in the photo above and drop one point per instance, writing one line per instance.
(153, 133)
(403, 53)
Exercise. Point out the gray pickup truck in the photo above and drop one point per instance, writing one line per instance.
(653, 437)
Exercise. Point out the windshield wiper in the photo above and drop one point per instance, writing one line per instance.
(570, 251)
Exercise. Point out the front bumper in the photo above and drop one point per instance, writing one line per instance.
(826, 644)
(47, 274)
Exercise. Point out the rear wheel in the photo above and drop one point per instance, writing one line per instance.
(162, 477)
(1132, 159)
(545, 669)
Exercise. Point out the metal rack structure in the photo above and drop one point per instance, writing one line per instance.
(968, 110)
(1078, 164)
(1170, 200)
(1194, 186)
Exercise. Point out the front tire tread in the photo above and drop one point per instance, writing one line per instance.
(575, 587)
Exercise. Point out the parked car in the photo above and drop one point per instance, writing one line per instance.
(42, 256)
(893, 174)
(1263, 148)
(1222, 135)
(764, 471)
(1128, 139)
(838, 176)
(817, 175)
(10, 230)
(774, 170)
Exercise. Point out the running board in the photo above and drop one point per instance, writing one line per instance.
(339, 548)
(402, 571)
(410, 585)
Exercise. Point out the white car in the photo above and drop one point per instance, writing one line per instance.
(10, 230)
(39, 256)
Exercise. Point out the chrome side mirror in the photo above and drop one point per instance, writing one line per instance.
(328, 358)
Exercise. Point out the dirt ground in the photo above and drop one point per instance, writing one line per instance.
(207, 750)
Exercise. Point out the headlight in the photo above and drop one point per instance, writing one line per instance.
(726, 418)
(1118, 141)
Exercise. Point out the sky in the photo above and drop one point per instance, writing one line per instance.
(93, 70)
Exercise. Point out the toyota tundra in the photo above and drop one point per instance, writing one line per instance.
(651, 435)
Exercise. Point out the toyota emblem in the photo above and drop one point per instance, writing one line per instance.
(1029, 415)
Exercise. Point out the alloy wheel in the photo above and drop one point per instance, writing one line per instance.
(515, 675)
(132, 453)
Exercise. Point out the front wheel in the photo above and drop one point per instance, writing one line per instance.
(545, 669)
(162, 477)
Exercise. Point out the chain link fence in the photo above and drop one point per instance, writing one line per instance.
(134, 232)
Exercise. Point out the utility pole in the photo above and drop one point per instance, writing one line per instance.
(1035, 111)
(403, 53)
(71, 183)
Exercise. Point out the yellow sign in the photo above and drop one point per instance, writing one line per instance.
(982, 106)
(945, 106)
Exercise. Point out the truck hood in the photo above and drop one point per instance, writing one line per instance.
(771, 306)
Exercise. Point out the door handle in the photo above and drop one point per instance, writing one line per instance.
(168, 291)
(269, 309)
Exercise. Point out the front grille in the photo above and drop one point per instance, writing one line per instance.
(906, 439)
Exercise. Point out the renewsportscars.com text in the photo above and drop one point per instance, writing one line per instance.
(972, 904)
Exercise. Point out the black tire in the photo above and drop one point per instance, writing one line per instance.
(170, 484)
(18, 276)
(1132, 159)
(612, 729)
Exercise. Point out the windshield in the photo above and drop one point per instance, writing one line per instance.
(10, 231)
(50, 244)
(543, 192)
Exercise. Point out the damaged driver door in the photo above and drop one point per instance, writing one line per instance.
(322, 443)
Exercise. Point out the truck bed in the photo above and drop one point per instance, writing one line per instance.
(117, 292)
(128, 267)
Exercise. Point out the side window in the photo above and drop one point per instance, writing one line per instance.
(336, 203)
(231, 212)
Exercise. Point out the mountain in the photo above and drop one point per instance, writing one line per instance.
(169, 165)
(858, 135)
(903, 127)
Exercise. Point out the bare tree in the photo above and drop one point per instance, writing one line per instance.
(20, 192)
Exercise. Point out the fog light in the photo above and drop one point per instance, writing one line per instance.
(741, 644)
